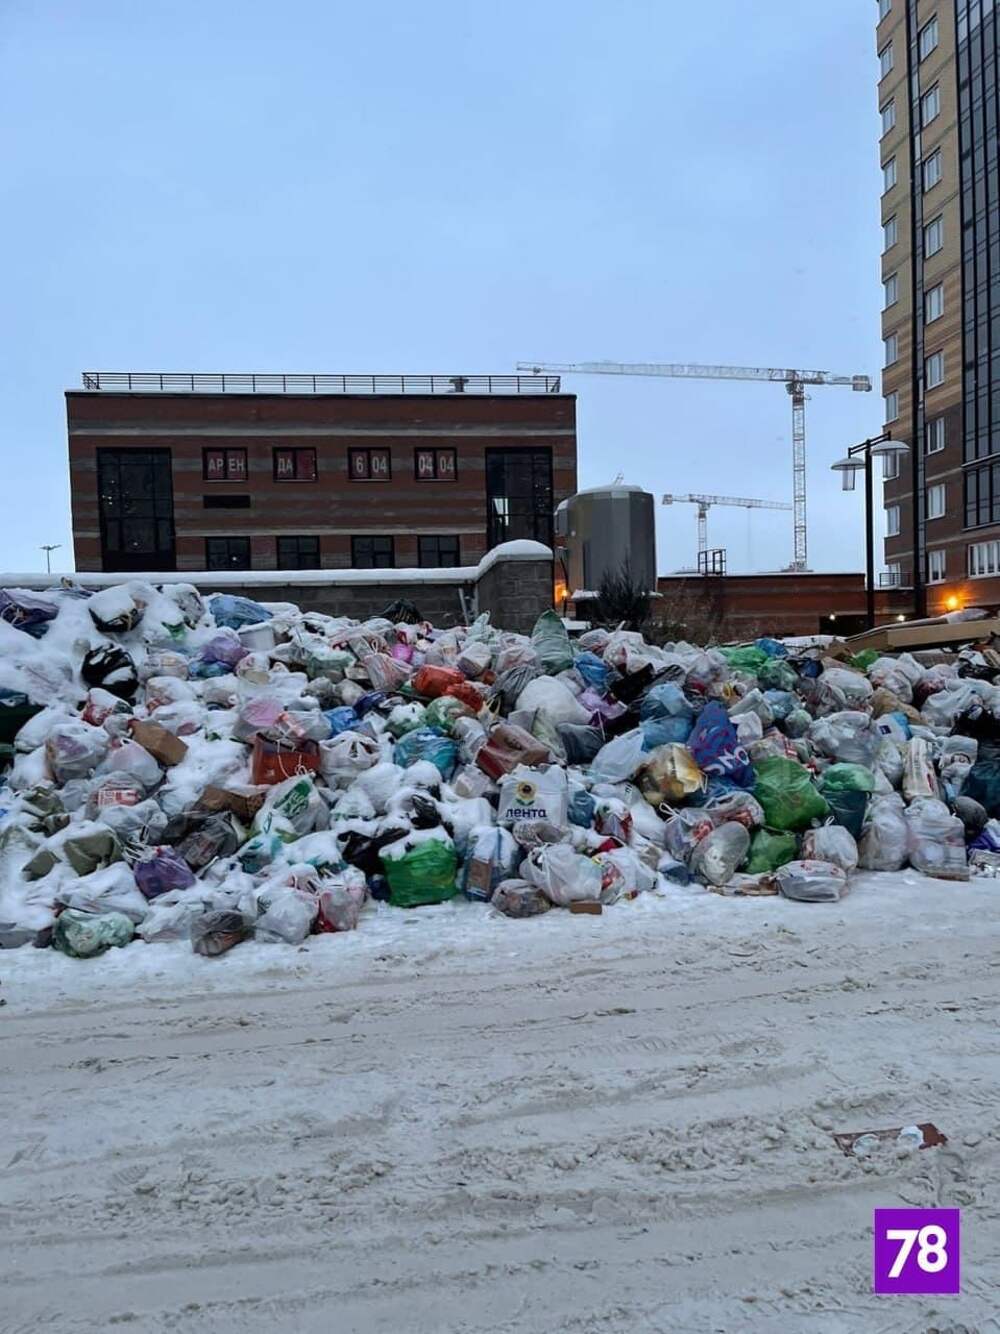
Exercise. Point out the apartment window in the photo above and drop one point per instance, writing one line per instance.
(934, 436)
(982, 495)
(883, 9)
(927, 38)
(519, 495)
(984, 559)
(219, 501)
(373, 553)
(930, 105)
(434, 465)
(888, 174)
(891, 345)
(295, 465)
(892, 407)
(224, 465)
(935, 566)
(934, 304)
(935, 501)
(369, 465)
(891, 289)
(889, 116)
(892, 520)
(298, 553)
(885, 60)
(227, 553)
(890, 467)
(933, 236)
(934, 370)
(890, 233)
(893, 577)
(932, 170)
(437, 551)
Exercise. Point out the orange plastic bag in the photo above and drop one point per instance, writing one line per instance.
(273, 762)
(433, 681)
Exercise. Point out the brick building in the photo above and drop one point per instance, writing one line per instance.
(264, 472)
(939, 101)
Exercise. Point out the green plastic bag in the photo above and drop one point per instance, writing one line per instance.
(771, 848)
(83, 935)
(404, 718)
(787, 794)
(864, 659)
(746, 658)
(848, 808)
(551, 643)
(847, 778)
(443, 711)
(776, 674)
(424, 873)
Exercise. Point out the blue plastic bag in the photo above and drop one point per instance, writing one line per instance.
(426, 743)
(235, 612)
(661, 731)
(370, 701)
(592, 671)
(716, 749)
(782, 702)
(666, 701)
(342, 719)
(581, 808)
(772, 647)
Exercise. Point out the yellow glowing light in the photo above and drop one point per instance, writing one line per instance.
(900, 617)
(561, 592)
(952, 603)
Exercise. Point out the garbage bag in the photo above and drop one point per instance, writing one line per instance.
(592, 671)
(211, 836)
(506, 747)
(581, 808)
(26, 612)
(580, 743)
(919, 778)
(341, 900)
(619, 758)
(666, 701)
(285, 915)
(747, 658)
(217, 931)
(831, 843)
(854, 686)
(983, 785)
(74, 750)
(664, 731)
(563, 875)
(936, 840)
(517, 898)
(109, 889)
(777, 674)
(769, 849)
(111, 668)
(114, 611)
(347, 755)
(161, 871)
(236, 612)
(442, 713)
(83, 935)
(531, 794)
(844, 777)
(787, 794)
(431, 681)
(424, 743)
(715, 748)
(847, 735)
(847, 808)
(492, 856)
(884, 842)
(667, 775)
(811, 881)
(421, 868)
(716, 857)
(551, 643)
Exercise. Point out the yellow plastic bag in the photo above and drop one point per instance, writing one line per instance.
(670, 774)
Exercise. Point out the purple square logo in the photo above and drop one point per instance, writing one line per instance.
(917, 1250)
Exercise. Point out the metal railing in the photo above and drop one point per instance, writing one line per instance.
(228, 382)
(894, 579)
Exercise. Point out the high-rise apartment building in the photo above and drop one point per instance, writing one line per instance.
(938, 100)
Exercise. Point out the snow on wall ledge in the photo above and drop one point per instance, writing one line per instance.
(513, 582)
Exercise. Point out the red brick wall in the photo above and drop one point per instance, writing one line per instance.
(334, 507)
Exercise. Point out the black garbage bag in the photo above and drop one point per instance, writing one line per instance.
(848, 808)
(25, 612)
(111, 668)
(580, 741)
(402, 612)
(362, 850)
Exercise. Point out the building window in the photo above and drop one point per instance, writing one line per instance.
(889, 116)
(927, 38)
(888, 174)
(369, 465)
(298, 553)
(519, 495)
(218, 501)
(373, 553)
(890, 287)
(295, 465)
(935, 501)
(934, 436)
(883, 9)
(437, 551)
(891, 345)
(892, 407)
(885, 60)
(890, 467)
(930, 105)
(892, 520)
(434, 465)
(934, 304)
(934, 236)
(136, 508)
(934, 370)
(227, 553)
(932, 170)
(936, 566)
(984, 559)
(982, 495)
(893, 577)
(890, 233)
(224, 465)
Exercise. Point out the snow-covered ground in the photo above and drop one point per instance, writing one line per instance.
(448, 1121)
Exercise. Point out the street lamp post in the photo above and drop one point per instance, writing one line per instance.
(48, 548)
(858, 458)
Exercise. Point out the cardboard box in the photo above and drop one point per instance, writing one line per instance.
(161, 744)
(244, 803)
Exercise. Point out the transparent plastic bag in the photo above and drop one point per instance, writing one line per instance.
(717, 856)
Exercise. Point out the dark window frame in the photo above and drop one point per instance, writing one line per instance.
(298, 563)
(226, 501)
(118, 511)
(227, 475)
(295, 451)
(367, 451)
(499, 527)
(438, 538)
(228, 539)
(435, 474)
(374, 563)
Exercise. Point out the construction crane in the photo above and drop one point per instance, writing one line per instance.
(794, 381)
(705, 503)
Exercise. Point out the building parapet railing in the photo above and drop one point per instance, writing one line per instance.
(241, 382)
(894, 579)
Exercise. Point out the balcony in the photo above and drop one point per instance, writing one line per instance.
(894, 579)
(242, 382)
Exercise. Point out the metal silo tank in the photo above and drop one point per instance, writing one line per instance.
(598, 529)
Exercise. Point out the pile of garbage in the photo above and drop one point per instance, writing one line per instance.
(220, 769)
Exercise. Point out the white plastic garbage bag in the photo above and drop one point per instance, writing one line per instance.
(562, 874)
(831, 843)
(884, 842)
(936, 840)
(811, 881)
(716, 857)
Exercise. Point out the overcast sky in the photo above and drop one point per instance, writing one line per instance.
(323, 186)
